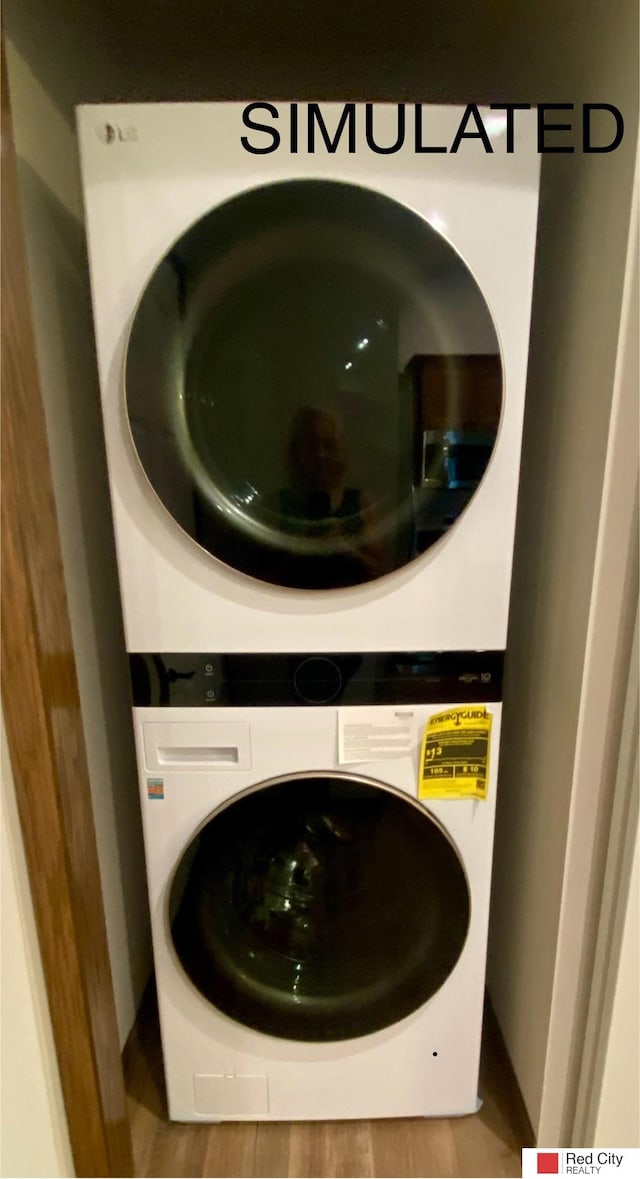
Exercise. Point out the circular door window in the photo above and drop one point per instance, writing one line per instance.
(319, 908)
(313, 384)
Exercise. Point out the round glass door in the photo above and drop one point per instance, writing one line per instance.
(313, 384)
(319, 908)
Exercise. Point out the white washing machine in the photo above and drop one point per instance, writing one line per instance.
(313, 371)
(312, 368)
(319, 931)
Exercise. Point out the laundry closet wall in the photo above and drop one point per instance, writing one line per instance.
(54, 53)
(62, 53)
(583, 231)
(33, 1124)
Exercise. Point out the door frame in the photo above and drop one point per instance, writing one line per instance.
(41, 706)
(602, 788)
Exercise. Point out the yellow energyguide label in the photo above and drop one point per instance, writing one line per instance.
(454, 761)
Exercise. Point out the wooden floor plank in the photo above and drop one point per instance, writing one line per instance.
(331, 1148)
(181, 1150)
(391, 1148)
(413, 1146)
(231, 1150)
(273, 1140)
(487, 1143)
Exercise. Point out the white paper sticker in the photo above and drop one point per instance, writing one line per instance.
(370, 734)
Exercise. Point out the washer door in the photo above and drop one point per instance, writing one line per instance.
(313, 384)
(319, 908)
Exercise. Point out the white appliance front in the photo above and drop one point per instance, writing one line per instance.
(324, 356)
(423, 1058)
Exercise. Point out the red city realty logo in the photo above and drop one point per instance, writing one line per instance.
(547, 1162)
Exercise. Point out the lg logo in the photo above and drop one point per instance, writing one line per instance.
(107, 134)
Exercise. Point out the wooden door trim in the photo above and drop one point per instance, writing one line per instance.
(46, 740)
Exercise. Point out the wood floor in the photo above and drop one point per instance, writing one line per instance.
(485, 1144)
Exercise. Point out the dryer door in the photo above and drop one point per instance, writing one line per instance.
(319, 908)
(313, 384)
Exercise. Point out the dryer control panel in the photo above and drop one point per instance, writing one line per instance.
(191, 680)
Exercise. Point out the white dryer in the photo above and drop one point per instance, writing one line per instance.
(313, 369)
(319, 932)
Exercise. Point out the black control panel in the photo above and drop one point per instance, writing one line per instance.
(398, 677)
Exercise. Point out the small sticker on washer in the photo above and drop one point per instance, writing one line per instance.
(454, 762)
(155, 787)
(372, 734)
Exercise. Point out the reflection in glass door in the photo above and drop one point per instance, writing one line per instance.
(319, 908)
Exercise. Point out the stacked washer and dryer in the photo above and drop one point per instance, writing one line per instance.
(313, 375)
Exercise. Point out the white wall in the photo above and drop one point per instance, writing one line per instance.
(34, 1138)
(618, 1111)
(582, 243)
(52, 220)
(607, 1106)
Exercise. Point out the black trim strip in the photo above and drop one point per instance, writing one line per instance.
(191, 680)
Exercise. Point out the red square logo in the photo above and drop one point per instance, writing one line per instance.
(547, 1163)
